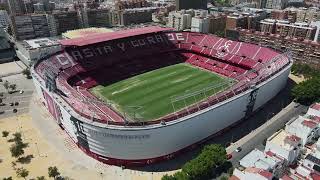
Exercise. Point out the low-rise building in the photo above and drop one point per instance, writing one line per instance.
(314, 110)
(251, 173)
(30, 51)
(312, 162)
(268, 161)
(304, 128)
(285, 145)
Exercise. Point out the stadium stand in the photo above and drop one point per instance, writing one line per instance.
(112, 57)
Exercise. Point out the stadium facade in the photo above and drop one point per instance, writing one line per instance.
(63, 79)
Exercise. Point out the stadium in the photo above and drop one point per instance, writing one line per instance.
(139, 96)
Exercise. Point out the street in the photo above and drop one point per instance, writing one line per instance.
(257, 137)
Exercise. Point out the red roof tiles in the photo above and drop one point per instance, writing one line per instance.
(310, 124)
(316, 106)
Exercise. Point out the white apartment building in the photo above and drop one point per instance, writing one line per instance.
(200, 24)
(284, 145)
(304, 128)
(180, 20)
(267, 161)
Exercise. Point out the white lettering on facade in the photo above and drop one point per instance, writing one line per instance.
(176, 37)
(151, 40)
(117, 136)
(121, 46)
(159, 38)
(64, 60)
(76, 55)
(134, 43)
(88, 53)
(179, 37)
(107, 49)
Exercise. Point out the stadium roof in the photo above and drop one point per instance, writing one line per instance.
(85, 32)
(82, 41)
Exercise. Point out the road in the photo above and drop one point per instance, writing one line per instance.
(256, 138)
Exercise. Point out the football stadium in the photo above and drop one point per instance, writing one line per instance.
(139, 96)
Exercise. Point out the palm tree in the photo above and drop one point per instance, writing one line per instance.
(5, 134)
(6, 85)
(53, 172)
(13, 87)
(21, 172)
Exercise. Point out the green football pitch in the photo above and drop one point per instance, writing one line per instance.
(150, 95)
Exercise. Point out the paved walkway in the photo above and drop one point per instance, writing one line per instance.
(11, 68)
(83, 166)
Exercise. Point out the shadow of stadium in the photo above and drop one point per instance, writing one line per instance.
(274, 106)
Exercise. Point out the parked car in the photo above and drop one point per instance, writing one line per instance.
(238, 149)
(229, 156)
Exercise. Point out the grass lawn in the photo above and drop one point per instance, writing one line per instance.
(148, 96)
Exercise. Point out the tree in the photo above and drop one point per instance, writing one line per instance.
(205, 166)
(21, 172)
(224, 178)
(53, 172)
(13, 87)
(6, 85)
(5, 133)
(16, 150)
(27, 73)
(17, 137)
(307, 91)
(7, 178)
(40, 178)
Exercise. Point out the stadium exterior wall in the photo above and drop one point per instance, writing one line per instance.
(132, 146)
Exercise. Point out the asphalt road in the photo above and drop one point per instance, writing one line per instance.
(261, 136)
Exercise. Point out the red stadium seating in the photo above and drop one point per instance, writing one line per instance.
(240, 61)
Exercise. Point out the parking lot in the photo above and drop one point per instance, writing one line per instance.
(15, 102)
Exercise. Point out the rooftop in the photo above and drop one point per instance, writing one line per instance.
(284, 139)
(316, 106)
(40, 43)
(258, 159)
(102, 37)
(85, 32)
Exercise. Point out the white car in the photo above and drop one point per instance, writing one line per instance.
(21, 91)
(238, 149)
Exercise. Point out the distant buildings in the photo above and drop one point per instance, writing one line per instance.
(4, 19)
(191, 4)
(29, 26)
(303, 51)
(276, 4)
(60, 22)
(287, 29)
(135, 16)
(197, 21)
(16, 7)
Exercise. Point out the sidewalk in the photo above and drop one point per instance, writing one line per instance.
(84, 167)
(269, 124)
